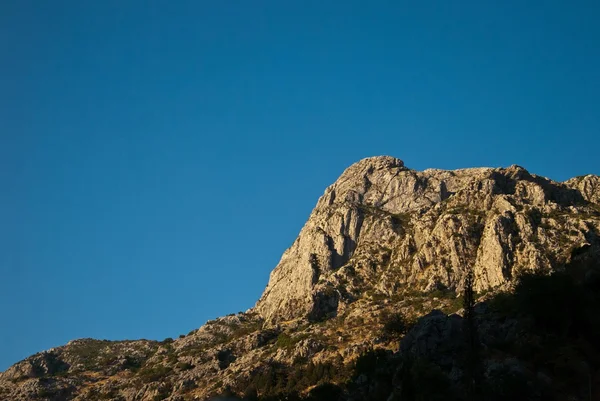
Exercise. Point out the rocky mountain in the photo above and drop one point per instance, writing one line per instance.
(383, 227)
(364, 300)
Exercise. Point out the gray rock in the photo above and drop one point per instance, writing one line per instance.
(384, 223)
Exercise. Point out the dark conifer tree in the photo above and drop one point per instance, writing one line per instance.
(473, 365)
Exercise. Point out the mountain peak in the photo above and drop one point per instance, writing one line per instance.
(422, 229)
(378, 162)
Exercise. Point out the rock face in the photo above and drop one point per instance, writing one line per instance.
(382, 240)
(386, 225)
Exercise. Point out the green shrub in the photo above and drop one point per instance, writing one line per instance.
(284, 341)
(369, 362)
(184, 366)
(454, 305)
(131, 363)
(444, 294)
(394, 325)
(154, 373)
(46, 392)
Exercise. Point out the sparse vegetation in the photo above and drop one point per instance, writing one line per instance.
(286, 341)
(394, 325)
(184, 366)
(154, 373)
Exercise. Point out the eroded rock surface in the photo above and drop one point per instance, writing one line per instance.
(385, 226)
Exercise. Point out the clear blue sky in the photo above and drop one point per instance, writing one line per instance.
(158, 159)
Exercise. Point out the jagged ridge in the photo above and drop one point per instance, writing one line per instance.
(384, 226)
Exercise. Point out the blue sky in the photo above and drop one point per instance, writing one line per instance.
(158, 157)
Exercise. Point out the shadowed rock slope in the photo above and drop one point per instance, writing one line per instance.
(383, 246)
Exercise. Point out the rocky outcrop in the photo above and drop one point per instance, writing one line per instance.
(384, 224)
(588, 186)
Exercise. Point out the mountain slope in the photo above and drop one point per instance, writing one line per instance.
(382, 239)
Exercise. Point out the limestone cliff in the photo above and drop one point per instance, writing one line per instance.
(383, 227)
